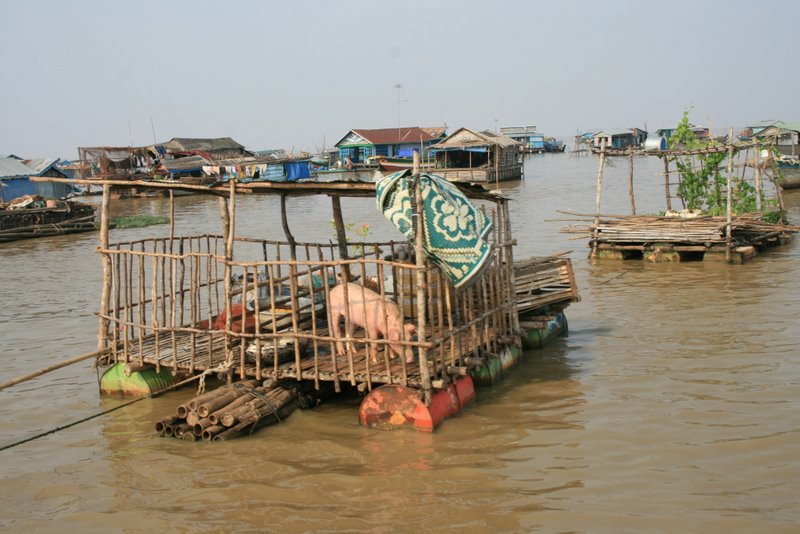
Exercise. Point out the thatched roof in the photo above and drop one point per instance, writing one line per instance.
(465, 138)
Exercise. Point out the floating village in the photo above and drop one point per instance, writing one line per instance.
(415, 325)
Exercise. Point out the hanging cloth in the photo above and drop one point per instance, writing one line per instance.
(455, 229)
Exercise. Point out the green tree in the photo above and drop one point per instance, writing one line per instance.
(703, 187)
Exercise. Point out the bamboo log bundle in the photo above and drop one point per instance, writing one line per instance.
(164, 423)
(179, 430)
(206, 397)
(203, 410)
(235, 410)
(209, 433)
(192, 418)
(266, 416)
(260, 405)
(215, 418)
(201, 425)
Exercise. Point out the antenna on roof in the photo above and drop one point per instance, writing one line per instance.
(154, 129)
(398, 86)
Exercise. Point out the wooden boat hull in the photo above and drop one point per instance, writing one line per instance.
(66, 218)
(790, 177)
(399, 164)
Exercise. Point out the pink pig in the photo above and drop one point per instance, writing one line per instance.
(383, 319)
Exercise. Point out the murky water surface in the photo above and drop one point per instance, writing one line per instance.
(671, 407)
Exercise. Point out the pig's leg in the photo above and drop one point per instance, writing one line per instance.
(372, 333)
(337, 332)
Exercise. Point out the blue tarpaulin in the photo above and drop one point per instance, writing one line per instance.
(297, 170)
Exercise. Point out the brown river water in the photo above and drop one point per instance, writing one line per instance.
(673, 405)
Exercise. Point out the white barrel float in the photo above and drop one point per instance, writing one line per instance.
(655, 144)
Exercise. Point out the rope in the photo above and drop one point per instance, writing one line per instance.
(269, 405)
(220, 367)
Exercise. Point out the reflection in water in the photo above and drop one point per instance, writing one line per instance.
(672, 406)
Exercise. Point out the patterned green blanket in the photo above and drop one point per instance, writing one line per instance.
(455, 229)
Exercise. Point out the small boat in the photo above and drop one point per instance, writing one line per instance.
(33, 216)
(388, 164)
(553, 145)
(789, 176)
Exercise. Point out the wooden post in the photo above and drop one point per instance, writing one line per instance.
(287, 232)
(778, 188)
(666, 184)
(341, 236)
(630, 180)
(171, 218)
(419, 236)
(292, 281)
(757, 170)
(598, 195)
(729, 214)
(497, 166)
(231, 230)
(105, 259)
(224, 215)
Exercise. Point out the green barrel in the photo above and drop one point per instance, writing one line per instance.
(115, 382)
(538, 337)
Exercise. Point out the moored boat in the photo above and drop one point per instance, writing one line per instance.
(33, 216)
(388, 164)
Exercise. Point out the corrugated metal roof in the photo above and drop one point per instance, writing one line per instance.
(779, 128)
(41, 165)
(396, 136)
(613, 133)
(14, 168)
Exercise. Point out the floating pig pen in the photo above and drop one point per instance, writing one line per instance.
(247, 308)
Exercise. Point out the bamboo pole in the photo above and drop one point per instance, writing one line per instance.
(510, 280)
(728, 209)
(666, 184)
(341, 235)
(231, 229)
(419, 237)
(171, 218)
(757, 172)
(292, 281)
(598, 195)
(59, 365)
(102, 331)
(630, 180)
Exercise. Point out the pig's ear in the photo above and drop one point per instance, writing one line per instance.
(410, 328)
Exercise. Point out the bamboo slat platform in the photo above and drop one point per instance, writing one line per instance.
(175, 352)
(682, 239)
(540, 282)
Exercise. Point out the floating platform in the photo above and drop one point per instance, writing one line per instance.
(676, 239)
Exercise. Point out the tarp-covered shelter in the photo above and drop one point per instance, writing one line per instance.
(215, 148)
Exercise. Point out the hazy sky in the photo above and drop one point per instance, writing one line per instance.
(291, 74)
